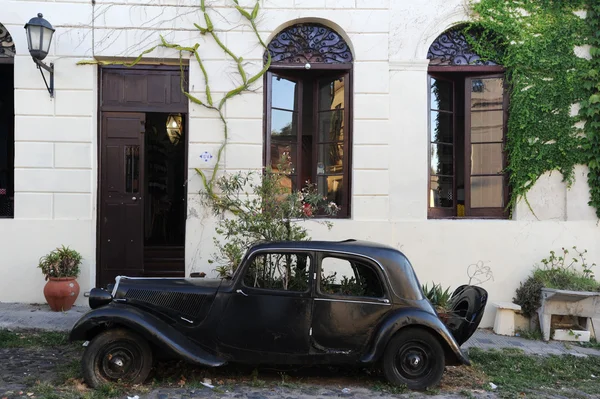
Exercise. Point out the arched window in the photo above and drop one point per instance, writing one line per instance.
(467, 131)
(7, 138)
(308, 105)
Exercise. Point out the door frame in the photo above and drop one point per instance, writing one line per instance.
(99, 142)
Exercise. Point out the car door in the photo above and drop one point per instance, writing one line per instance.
(270, 306)
(350, 300)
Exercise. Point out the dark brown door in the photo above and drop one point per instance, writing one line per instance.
(121, 197)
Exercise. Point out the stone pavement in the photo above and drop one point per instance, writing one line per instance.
(40, 317)
(19, 316)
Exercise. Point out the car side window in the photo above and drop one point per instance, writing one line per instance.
(279, 271)
(350, 278)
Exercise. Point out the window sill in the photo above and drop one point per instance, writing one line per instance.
(468, 218)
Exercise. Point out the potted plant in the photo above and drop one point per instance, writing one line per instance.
(61, 268)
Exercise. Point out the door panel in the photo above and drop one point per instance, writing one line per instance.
(350, 301)
(265, 322)
(271, 309)
(345, 325)
(121, 196)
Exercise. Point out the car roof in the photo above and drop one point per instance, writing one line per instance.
(396, 266)
(358, 247)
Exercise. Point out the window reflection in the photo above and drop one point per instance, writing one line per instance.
(441, 95)
(284, 124)
(284, 93)
(331, 95)
(442, 159)
(487, 93)
(308, 125)
(487, 192)
(441, 192)
(442, 127)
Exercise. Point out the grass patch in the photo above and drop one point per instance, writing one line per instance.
(68, 372)
(593, 343)
(387, 388)
(535, 335)
(516, 373)
(10, 339)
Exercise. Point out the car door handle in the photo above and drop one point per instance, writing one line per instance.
(241, 292)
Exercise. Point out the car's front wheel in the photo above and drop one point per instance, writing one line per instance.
(415, 358)
(116, 355)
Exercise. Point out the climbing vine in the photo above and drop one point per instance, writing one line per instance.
(535, 40)
(208, 102)
(590, 105)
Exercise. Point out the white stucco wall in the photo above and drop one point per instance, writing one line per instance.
(56, 139)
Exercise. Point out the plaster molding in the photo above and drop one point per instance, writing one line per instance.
(438, 26)
(409, 65)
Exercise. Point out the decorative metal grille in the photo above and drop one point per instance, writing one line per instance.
(7, 46)
(308, 43)
(451, 49)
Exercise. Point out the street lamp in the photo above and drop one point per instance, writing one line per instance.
(39, 37)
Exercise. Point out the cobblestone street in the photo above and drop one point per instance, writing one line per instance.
(24, 370)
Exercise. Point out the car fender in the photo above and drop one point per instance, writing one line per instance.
(404, 318)
(150, 327)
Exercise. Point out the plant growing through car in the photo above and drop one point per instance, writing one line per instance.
(256, 207)
(61, 262)
(438, 297)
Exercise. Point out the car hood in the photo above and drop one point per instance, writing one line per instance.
(180, 298)
(127, 287)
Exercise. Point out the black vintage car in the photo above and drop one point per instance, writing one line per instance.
(311, 302)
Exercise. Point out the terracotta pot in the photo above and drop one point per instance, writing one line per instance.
(61, 293)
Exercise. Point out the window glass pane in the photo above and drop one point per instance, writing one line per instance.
(342, 277)
(487, 126)
(331, 125)
(440, 193)
(486, 159)
(487, 192)
(283, 153)
(442, 159)
(332, 187)
(331, 157)
(487, 94)
(132, 168)
(331, 94)
(441, 127)
(288, 272)
(284, 93)
(441, 94)
(284, 124)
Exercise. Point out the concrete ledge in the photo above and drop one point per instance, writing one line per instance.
(20, 316)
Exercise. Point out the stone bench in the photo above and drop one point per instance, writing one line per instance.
(506, 318)
(583, 304)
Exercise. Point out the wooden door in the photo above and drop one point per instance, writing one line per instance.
(121, 196)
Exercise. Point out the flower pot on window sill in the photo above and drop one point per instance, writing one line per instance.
(61, 293)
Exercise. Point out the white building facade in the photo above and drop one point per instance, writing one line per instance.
(79, 164)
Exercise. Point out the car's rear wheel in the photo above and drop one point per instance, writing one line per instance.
(116, 355)
(415, 358)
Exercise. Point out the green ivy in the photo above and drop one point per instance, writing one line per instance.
(590, 106)
(535, 41)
